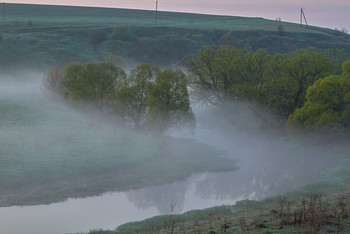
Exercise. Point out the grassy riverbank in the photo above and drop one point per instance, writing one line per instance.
(321, 207)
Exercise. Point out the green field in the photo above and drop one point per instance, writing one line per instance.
(40, 36)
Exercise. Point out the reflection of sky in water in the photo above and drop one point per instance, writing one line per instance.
(107, 211)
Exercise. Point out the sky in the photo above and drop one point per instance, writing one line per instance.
(324, 13)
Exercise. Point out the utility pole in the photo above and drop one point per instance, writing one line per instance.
(156, 11)
(302, 14)
(3, 14)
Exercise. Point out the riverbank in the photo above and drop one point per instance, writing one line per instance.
(322, 206)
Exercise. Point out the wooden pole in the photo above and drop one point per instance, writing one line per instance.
(3, 14)
(302, 15)
(156, 11)
(307, 25)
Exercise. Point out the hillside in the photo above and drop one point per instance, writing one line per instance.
(39, 36)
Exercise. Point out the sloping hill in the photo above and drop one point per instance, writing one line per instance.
(38, 35)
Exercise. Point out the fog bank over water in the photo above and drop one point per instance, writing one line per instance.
(37, 131)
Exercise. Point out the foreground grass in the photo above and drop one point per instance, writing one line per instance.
(321, 207)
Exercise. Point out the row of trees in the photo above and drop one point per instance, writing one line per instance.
(146, 98)
(279, 82)
(310, 88)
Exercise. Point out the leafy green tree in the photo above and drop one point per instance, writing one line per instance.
(225, 73)
(327, 106)
(258, 73)
(168, 102)
(346, 69)
(205, 83)
(291, 76)
(116, 60)
(69, 87)
(279, 94)
(133, 94)
(92, 83)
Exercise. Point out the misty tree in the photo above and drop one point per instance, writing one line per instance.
(53, 79)
(116, 60)
(225, 73)
(92, 83)
(204, 83)
(148, 97)
(69, 86)
(169, 103)
(133, 94)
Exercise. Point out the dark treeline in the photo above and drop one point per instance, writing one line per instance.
(147, 98)
(307, 87)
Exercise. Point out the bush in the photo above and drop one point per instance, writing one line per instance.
(121, 33)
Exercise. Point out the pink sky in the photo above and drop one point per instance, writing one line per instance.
(324, 13)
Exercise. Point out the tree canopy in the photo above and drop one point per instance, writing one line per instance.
(309, 86)
(169, 103)
(94, 83)
(277, 81)
(146, 98)
(134, 93)
(327, 105)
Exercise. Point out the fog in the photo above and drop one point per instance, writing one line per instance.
(37, 130)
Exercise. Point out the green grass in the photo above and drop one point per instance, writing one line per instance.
(61, 34)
